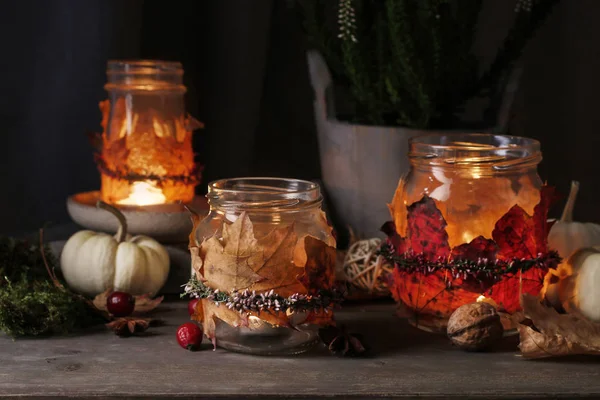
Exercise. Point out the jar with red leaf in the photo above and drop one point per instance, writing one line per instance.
(469, 224)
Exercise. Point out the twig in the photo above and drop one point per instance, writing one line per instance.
(50, 272)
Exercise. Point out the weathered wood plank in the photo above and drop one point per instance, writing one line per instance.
(406, 363)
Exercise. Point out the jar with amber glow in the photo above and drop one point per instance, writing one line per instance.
(467, 226)
(264, 262)
(146, 153)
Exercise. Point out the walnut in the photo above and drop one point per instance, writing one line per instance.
(475, 326)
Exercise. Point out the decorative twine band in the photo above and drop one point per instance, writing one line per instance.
(192, 179)
(482, 269)
(246, 301)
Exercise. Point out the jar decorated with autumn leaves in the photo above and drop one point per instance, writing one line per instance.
(469, 224)
(263, 265)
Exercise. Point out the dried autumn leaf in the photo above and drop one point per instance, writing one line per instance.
(546, 333)
(194, 246)
(435, 293)
(427, 229)
(207, 313)
(477, 248)
(400, 244)
(225, 271)
(397, 208)
(276, 267)
(144, 303)
(318, 271)
(504, 292)
(515, 235)
(542, 226)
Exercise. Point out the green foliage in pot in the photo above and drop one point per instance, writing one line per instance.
(411, 62)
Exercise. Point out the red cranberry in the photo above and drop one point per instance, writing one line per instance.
(189, 336)
(120, 304)
(192, 306)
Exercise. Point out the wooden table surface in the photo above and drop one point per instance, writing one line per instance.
(405, 363)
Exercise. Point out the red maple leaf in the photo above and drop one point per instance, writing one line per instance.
(430, 293)
(514, 234)
(479, 247)
(506, 292)
(399, 243)
(427, 229)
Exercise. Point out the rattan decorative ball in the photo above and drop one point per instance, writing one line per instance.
(365, 269)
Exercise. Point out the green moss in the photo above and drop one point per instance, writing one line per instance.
(30, 303)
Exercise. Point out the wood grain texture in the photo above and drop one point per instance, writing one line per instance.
(406, 363)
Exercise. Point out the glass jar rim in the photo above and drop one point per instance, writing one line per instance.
(264, 194)
(144, 66)
(475, 142)
(467, 150)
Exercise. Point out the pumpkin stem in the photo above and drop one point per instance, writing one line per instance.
(122, 231)
(567, 215)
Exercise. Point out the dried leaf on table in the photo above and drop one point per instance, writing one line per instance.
(546, 333)
(143, 303)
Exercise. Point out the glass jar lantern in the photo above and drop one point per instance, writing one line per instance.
(458, 192)
(146, 156)
(272, 206)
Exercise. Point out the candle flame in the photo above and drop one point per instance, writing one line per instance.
(483, 299)
(467, 237)
(144, 194)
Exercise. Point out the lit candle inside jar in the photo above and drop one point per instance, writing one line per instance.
(143, 194)
(483, 299)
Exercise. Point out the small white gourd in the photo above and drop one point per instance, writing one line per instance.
(578, 285)
(92, 262)
(567, 236)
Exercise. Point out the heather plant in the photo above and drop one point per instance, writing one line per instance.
(411, 62)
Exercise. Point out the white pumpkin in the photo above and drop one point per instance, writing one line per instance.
(577, 286)
(567, 236)
(92, 262)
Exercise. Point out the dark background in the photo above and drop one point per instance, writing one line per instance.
(245, 69)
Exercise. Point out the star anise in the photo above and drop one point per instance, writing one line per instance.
(128, 326)
(341, 343)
